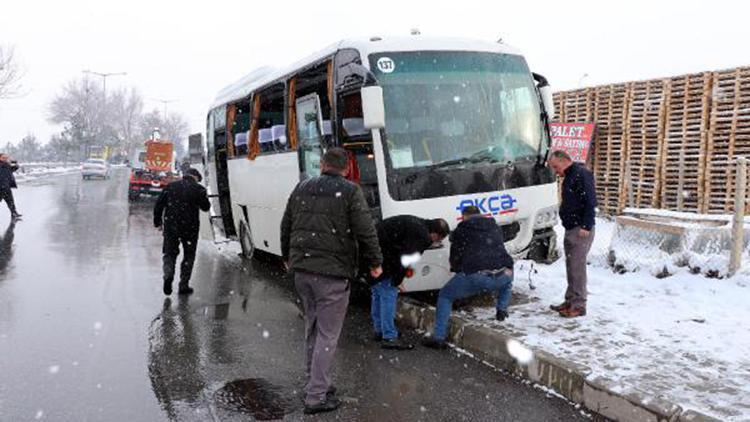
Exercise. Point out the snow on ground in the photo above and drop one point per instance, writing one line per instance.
(684, 338)
(36, 171)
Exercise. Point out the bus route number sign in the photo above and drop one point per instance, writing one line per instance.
(386, 65)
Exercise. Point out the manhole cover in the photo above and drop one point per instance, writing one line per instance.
(254, 396)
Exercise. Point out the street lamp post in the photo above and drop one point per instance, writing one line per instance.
(104, 77)
(164, 102)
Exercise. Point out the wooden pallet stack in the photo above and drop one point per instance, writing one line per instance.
(610, 113)
(686, 135)
(645, 138)
(729, 137)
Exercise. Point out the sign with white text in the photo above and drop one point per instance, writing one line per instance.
(573, 138)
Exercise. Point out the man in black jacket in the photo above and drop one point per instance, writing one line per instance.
(481, 263)
(177, 214)
(326, 226)
(400, 236)
(8, 182)
(577, 212)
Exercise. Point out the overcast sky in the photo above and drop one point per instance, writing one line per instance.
(186, 51)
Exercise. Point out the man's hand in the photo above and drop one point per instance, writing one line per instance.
(376, 272)
(584, 233)
(286, 265)
(508, 272)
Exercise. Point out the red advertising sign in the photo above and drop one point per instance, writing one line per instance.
(573, 138)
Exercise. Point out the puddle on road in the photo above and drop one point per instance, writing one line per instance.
(254, 396)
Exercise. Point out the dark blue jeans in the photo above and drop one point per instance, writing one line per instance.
(383, 310)
(465, 285)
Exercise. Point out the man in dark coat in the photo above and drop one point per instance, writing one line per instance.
(400, 236)
(482, 265)
(177, 214)
(577, 212)
(8, 182)
(326, 226)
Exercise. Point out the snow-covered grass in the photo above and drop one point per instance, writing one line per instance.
(684, 338)
(35, 171)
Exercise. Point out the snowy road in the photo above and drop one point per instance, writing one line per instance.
(86, 335)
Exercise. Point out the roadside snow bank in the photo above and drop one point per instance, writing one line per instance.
(684, 338)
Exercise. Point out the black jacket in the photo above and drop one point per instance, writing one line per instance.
(7, 180)
(578, 207)
(401, 235)
(326, 226)
(179, 205)
(477, 245)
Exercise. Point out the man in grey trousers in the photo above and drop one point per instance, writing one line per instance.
(326, 228)
(577, 212)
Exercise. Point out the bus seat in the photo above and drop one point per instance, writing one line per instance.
(278, 133)
(354, 126)
(240, 139)
(327, 131)
(240, 143)
(265, 138)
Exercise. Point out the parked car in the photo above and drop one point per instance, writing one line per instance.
(94, 167)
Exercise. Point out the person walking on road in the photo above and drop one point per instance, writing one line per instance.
(326, 226)
(482, 265)
(8, 182)
(400, 236)
(176, 214)
(577, 212)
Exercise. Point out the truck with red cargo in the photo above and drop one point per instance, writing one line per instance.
(152, 169)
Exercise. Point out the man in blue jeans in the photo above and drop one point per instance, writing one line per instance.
(401, 236)
(481, 263)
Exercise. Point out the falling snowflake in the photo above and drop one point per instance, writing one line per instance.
(97, 325)
(54, 369)
(519, 352)
(266, 334)
(39, 414)
(422, 409)
(338, 194)
(456, 99)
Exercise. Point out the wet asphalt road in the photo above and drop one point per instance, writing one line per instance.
(87, 335)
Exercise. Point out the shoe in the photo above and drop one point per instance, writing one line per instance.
(327, 405)
(561, 307)
(185, 291)
(377, 337)
(501, 315)
(395, 344)
(331, 393)
(573, 312)
(434, 343)
(167, 287)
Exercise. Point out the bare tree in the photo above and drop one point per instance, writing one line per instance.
(79, 108)
(29, 149)
(126, 110)
(10, 73)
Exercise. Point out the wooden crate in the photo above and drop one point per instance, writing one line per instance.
(645, 136)
(686, 129)
(610, 107)
(729, 137)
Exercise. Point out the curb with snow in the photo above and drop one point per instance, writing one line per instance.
(571, 380)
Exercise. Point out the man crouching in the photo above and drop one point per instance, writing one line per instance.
(481, 263)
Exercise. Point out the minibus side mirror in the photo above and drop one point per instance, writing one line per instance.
(373, 109)
(545, 91)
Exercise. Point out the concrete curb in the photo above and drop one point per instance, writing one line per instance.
(571, 380)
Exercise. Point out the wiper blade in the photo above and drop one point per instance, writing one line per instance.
(465, 160)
